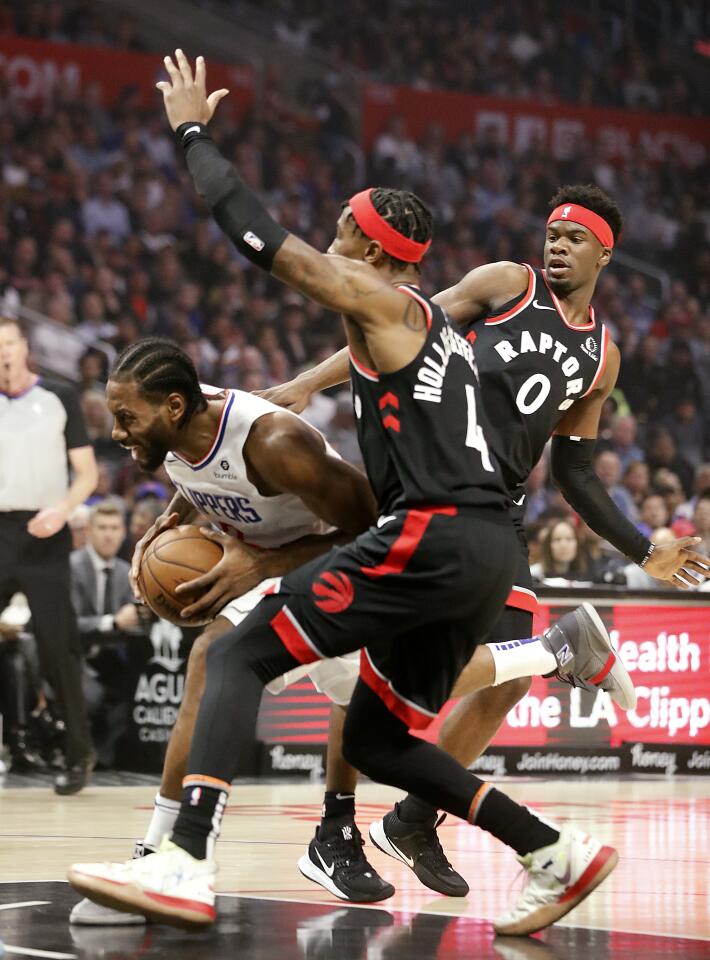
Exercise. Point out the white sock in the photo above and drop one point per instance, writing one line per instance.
(165, 813)
(521, 658)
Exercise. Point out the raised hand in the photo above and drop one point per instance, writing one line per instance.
(185, 97)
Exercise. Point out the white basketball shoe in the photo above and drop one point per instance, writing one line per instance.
(86, 913)
(170, 886)
(559, 877)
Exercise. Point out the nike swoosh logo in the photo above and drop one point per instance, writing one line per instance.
(519, 503)
(191, 130)
(407, 860)
(565, 878)
(381, 521)
(344, 796)
(539, 306)
(330, 870)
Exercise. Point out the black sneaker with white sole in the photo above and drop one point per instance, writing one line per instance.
(417, 845)
(338, 863)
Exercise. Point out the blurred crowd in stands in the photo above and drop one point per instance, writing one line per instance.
(602, 54)
(102, 232)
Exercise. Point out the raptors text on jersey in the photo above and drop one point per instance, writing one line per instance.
(533, 365)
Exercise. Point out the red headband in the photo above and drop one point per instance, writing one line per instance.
(376, 228)
(592, 221)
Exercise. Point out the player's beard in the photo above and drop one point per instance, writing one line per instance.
(154, 455)
(560, 288)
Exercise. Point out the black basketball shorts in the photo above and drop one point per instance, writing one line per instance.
(415, 594)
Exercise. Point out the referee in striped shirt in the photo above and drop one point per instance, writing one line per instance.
(42, 435)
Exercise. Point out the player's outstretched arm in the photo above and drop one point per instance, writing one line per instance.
(347, 286)
(286, 455)
(571, 468)
(295, 395)
(483, 290)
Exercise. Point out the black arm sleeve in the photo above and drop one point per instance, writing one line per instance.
(240, 214)
(572, 472)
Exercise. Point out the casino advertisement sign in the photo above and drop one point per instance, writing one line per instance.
(558, 730)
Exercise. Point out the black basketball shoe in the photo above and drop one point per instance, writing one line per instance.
(417, 845)
(337, 862)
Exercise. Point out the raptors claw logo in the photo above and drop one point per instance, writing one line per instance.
(335, 591)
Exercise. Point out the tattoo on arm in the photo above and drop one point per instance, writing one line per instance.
(413, 317)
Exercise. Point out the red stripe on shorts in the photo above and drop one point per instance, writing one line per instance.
(293, 637)
(402, 550)
(406, 711)
(523, 600)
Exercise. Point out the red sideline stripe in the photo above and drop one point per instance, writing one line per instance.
(183, 904)
(604, 670)
(588, 875)
(402, 550)
(292, 639)
(522, 601)
(405, 711)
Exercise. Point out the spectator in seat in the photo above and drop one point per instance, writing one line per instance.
(562, 557)
(107, 618)
(608, 468)
(701, 522)
(636, 480)
(663, 452)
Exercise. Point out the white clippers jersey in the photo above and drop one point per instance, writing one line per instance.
(219, 488)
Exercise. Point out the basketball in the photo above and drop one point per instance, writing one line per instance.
(176, 556)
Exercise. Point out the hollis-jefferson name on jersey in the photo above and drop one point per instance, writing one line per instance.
(433, 370)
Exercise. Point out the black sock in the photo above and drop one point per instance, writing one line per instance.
(414, 810)
(338, 807)
(200, 818)
(512, 823)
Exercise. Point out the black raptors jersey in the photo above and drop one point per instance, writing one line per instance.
(533, 365)
(420, 428)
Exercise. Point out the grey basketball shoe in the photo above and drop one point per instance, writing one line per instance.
(585, 657)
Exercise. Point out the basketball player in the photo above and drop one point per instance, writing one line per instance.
(546, 367)
(280, 494)
(420, 589)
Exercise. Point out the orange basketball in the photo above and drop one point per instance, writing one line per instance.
(176, 556)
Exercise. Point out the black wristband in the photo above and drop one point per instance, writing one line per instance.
(191, 131)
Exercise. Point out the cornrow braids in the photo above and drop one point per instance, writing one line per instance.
(406, 213)
(593, 198)
(160, 368)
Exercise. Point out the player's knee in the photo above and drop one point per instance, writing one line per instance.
(197, 661)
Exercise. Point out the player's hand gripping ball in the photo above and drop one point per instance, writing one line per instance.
(175, 556)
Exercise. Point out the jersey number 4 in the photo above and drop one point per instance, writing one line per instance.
(474, 433)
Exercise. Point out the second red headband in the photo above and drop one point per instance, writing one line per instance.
(574, 213)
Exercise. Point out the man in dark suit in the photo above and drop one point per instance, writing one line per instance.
(107, 618)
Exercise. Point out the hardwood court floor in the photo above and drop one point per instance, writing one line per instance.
(656, 904)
